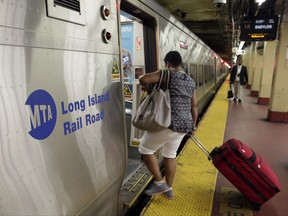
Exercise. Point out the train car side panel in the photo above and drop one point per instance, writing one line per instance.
(62, 117)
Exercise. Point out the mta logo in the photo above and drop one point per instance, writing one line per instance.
(43, 114)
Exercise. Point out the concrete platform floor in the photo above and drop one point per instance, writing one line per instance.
(247, 121)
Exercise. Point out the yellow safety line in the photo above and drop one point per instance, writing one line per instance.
(195, 179)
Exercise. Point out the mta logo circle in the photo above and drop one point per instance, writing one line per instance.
(43, 114)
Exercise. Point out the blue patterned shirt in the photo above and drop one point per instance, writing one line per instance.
(181, 87)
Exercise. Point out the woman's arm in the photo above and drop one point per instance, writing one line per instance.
(149, 78)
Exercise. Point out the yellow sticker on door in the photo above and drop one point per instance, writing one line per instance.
(115, 72)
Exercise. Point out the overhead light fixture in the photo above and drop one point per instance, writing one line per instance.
(219, 3)
(260, 1)
(227, 65)
(241, 45)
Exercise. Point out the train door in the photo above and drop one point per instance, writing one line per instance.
(138, 48)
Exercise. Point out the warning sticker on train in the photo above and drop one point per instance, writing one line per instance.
(75, 115)
(127, 92)
(115, 72)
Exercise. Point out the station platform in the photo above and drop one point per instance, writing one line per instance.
(199, 188)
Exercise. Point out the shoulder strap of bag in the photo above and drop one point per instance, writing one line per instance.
(165, 80)
(159, 84)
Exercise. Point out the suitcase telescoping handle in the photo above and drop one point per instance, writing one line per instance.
(200, 145)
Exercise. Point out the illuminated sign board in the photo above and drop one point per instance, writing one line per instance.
(259, 28)
(183, 45)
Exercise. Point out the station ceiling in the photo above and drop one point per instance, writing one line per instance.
(219, 27)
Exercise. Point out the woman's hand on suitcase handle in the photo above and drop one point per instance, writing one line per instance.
(193, 130)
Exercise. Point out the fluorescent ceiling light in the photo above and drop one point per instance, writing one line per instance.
(241, 45)
(260, 1)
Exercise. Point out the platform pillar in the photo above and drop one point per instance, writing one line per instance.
(251, 64)
(267, 72)
(245, 58)
(278, 106)
(258, 66)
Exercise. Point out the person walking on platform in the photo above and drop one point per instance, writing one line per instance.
(238, 78)
(183, 119)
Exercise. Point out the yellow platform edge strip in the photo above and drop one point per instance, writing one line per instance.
(195, 179)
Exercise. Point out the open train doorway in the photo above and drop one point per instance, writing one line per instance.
(138, 49)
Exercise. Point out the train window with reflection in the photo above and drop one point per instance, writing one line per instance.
(184, 67)
(209, 73)
(212, 73)
(206, 73)
(138, 71)
(193, 72)
(200, 75)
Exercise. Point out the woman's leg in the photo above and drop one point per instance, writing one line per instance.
(169, 151)
(151, 163)
(170, 170)
(149, 144)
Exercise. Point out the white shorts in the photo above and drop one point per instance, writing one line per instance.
(167, 139)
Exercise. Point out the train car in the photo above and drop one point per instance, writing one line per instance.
(69, 87)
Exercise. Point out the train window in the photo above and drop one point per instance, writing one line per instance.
(208, 72)
(132, 46)
(184, 66)
(193, 72)
(67, 10)
(200, 75)
(212, 72)
(139, 70)
(205, 73)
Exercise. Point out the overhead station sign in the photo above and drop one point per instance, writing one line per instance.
(259, 28)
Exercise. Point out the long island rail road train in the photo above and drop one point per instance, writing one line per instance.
(69, 87)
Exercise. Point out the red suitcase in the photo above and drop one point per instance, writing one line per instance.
(245, 169)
